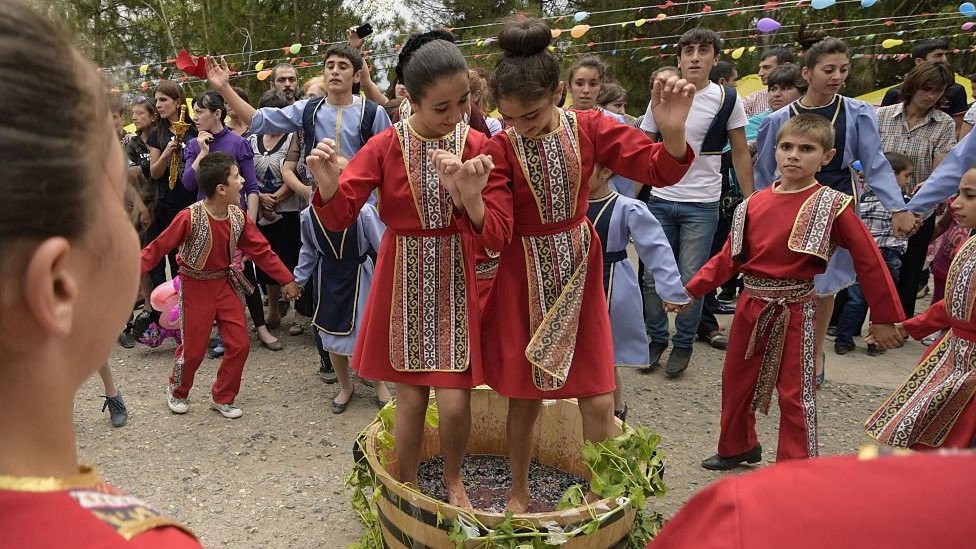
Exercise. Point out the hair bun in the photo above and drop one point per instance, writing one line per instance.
(414, 43)
(525, 37)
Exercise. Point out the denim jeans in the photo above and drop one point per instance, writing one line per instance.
(856, 309)
(690, 228)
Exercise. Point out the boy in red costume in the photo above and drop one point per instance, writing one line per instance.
(781, 237)
(209, 233)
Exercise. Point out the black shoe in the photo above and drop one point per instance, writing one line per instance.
(726, 295)
(716, 339)
(874, 350)
(655, 350)
(677, 362)
(719, 463)
(326, 372)
(724, 309)
(832, 331)
(843, 348)
(621, 414)
(140, 324)
(116, 409)
(126, 340)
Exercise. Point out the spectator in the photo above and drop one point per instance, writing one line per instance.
(955, 102)
(771, 58)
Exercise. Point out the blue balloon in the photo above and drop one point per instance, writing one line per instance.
(581, 15)
(967, 9)
(857, 165)
(868, 3)
(821, 4)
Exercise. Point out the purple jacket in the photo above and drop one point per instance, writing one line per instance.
(232, 144)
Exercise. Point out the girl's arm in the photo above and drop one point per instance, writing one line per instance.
(655, 251)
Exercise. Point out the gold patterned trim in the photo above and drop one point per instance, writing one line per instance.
(552, 168)
(434, 206)
(739, 229)
(960, 289)
(814, 221)
(86, 478)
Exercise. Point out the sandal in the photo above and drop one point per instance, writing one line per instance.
(296, 329)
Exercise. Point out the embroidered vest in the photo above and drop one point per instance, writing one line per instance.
(199, 242)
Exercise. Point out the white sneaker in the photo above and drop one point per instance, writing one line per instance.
(229, 411)
(176, 405)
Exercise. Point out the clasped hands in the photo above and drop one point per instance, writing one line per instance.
(887, 336)
(464, 180)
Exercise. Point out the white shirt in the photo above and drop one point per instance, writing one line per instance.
(703, 182)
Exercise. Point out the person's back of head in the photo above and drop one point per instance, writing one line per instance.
(723, 73)
(214, 170)
(526, 70)
(273, 99)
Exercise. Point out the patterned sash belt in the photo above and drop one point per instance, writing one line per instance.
(556, 269)
(233, 275)
(774, 319)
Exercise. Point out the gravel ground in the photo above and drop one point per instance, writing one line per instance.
(276, 477)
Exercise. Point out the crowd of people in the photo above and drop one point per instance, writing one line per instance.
(471, 227)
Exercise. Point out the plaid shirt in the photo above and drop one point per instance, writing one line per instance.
(878, 221)
(934, 135)
(756, 103)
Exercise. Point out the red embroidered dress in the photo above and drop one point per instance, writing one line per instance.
(421, 325)
(934, 407)
(547, 330)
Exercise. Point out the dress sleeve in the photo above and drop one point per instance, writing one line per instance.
(496, 231)
(849, 232)
(764, 172)
(719, 269)
(934, 318)
(870, 152)
(629, 152)
(655, 251)
(283, 120)
(255, 246)
(363, 174)
(190, 154)
(170, 238)
(308, 255)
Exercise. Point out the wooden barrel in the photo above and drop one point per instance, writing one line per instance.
(412, 520)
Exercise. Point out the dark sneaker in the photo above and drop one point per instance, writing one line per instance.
(842, 348)
(126, 340)
(655, 350)
(116, 410)
(677, 362)
(140, 324)
(832, 331)
(719, 463)
(726, 295)
(621, 414)
(716, 339)
(326, 372)
(725, 308)
(874, 350)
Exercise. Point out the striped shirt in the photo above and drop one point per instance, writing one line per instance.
(878, 221)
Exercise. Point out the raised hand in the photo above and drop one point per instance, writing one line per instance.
(354, 40)
(671, 100)
(473, 176)
(323, 162)
(203, 140)
(447, 165)
(218, 74)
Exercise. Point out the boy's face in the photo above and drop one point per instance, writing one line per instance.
(230, 190)
(903, 176)
(799, 157)
(339, 75)
(695, 61)
(965, 204)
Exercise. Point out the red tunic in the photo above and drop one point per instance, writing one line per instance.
(422, 320)
(557, 209)
(82, 512)
(769, 223)
(251, 242)
(834, 502)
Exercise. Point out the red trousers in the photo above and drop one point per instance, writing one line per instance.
(203, 301)
(795, 385)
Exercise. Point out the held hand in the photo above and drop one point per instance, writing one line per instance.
(291, 291)
(203, 140)
(671, 100)
(218, 74)
(447, 165)
(886, 336)
(675, 307)
(268, 201)
(905, 223)
(170, 148)
(324, 165)
(473, 177)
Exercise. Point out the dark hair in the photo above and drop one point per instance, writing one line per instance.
(589, 61)
(413, 44)
(429, 63)
(781, 54)
(612, 91)
(702, 37)
(899, 161)
(347, 52)
(806, 39)
(787, 76)
(273, 99)
(827, 46)
(926, 76)
(810, 125)
(175, 92)
(60, 153)
(115, 105)
(722, 69)
(213, 102)
(925, 47)
(659, 70)
(278, 67)
(526, 70)
(145, 103)
(214, 170)
(242, 93)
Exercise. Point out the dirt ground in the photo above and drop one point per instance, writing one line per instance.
(276, 476)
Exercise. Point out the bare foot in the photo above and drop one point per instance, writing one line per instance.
(456, 494)
(519, 503)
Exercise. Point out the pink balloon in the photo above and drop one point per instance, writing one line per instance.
(968, 25)
(170, 317)
(163, 293)
(767, 25)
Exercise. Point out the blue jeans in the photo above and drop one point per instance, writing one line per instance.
(856, 309)
(690, 228)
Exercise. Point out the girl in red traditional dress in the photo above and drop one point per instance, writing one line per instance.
(547, 330)
(421, 327)
(935, 405)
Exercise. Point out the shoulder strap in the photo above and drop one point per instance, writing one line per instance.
(718, 135)
(308, 123)
(366, 122)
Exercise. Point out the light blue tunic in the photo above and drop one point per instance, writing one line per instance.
(944, 181)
